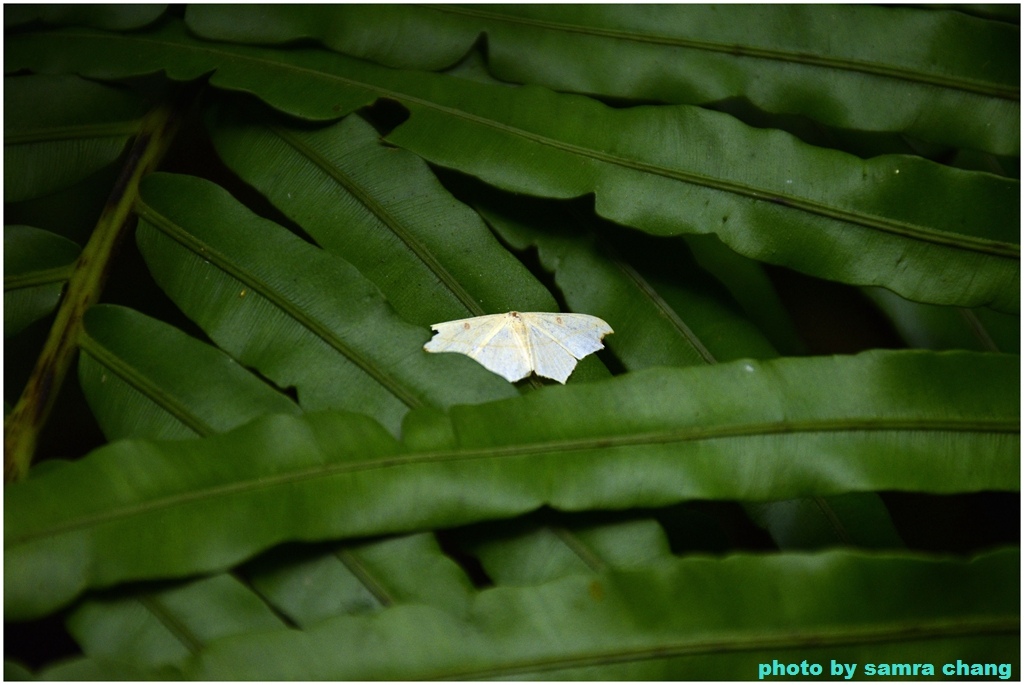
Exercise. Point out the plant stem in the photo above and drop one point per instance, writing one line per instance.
(25, 422)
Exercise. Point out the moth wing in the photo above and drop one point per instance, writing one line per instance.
(550, 359)
(559, 340)
(491, 340)
(579, 334)
(463, 335)
(505, 353)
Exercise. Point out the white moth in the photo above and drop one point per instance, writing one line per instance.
(514, 344)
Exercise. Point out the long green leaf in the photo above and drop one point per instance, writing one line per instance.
(682, 170)
(382, 210)
(37, 264)
(847, 67)
(745, 430)
(144, 378)
(60, 129)
(685, 619)
(894, 221)
(328, 333)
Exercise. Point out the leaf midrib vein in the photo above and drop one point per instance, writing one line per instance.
(971, 85)
(872, 634)
(663, 308)
(688, 434)
(114, 131)
(32, 279)
(377, 209)
(869, 221)
(177, 628)
(132, 377)
(355, 565)
(882, 224)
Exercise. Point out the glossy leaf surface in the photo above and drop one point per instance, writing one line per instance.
(893, 221)
(925, 74)
(676, 620)
(885, 421)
